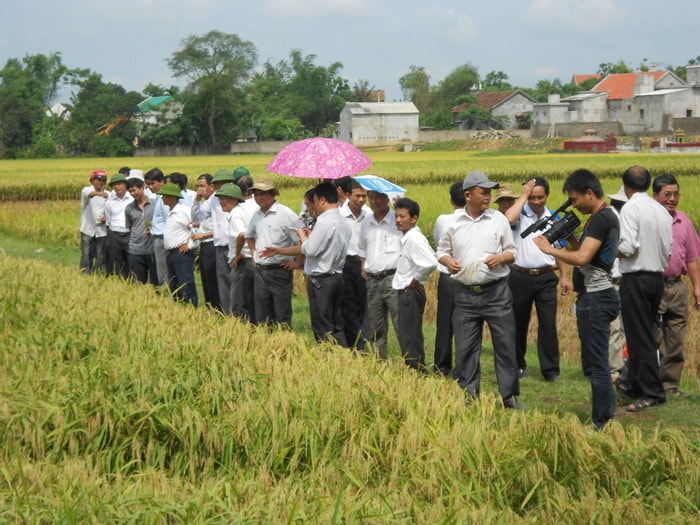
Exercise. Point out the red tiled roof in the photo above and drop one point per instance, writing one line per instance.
(579, 79)
(487, 100)
(621, 85)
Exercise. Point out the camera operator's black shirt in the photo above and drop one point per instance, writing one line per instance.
(597, 274)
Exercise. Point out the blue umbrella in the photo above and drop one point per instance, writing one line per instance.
(374, 183)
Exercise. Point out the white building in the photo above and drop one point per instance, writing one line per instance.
(378, 123)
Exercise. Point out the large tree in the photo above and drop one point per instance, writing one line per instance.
(218, 67)
(415, 86)
(101, 120)
(27, 86)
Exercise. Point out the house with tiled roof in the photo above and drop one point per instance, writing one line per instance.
(634, 103)
(577, 80)
(506, 104)
(624, 86)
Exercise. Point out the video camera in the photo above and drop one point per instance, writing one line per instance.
(555, 229)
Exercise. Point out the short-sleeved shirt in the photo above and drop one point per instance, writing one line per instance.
(597, 274)
(139, 242)
(685, 248)
(274, 229)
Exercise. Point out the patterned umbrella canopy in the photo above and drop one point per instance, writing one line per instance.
(319, 158)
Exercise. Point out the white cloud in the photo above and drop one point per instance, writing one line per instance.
(593, 16)
(545, 71)
(459, 28)
(316, 8)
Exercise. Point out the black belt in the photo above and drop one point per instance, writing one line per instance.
(477, 288)
(172, 250)
(325, 275)
(271, 267)
(381, 275)
(157, 236)
(672, 280)
(533, 271)
(352, 257)
(121, 234)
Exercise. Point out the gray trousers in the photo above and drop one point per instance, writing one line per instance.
(493, 304)
(325, 300)
(273, 296)
(381, 303)
(161, 261)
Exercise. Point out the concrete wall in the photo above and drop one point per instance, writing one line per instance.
(378, 129)
(514, 105)
(576, 129)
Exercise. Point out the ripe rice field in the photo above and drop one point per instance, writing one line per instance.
(117, 405)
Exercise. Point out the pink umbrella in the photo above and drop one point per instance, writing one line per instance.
(319, 158)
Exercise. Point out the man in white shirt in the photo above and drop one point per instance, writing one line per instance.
(416, 262)
(446, 288)
(533, 280)
(477, 249)
(273, 225)
(243, 283)
(176, 239)
(117, 231)
(379, 247)
(93, 231)
(354, 309)
(646, 233)
(154, 181)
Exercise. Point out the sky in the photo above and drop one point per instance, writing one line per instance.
(129, 41)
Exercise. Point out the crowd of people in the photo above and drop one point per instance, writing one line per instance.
(365, 261)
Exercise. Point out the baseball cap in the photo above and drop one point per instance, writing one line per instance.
(98, 174)
(478, 178)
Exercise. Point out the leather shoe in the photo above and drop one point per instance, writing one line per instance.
(513, 403)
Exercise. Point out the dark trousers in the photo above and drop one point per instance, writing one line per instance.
(354, 302)
(640, 295)
(325, 301)
(494, 305)
(273, 295)
(411, 306)
(92, 253)
(207, 271)
(594, 312)
(117, 254)
(243, 290)
(442, 360)
(542, 291)
(223, 278)
(181, 275)
(143, 268)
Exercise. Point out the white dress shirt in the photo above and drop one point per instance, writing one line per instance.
(471, 241)
(380, 243)
(114, 212)
(529, 255)
(236, 226)
(274, 229)
(355, 224)
(327, 245)
(176, 232)
(646, 234)
(441, 224)
(416, 261)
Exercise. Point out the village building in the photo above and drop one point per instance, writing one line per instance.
(378, 123)
(507, 107)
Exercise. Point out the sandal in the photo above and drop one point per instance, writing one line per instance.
(643, 404)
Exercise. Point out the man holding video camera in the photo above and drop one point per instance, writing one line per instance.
(597, 303)
(533, 279)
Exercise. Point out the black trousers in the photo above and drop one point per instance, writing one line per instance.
(640, 296)
(207, 270)
(117, 252)
(354, 302)
(411, 306)
(325, 301)
(444, 334)
(143, 268)
(542, 291)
